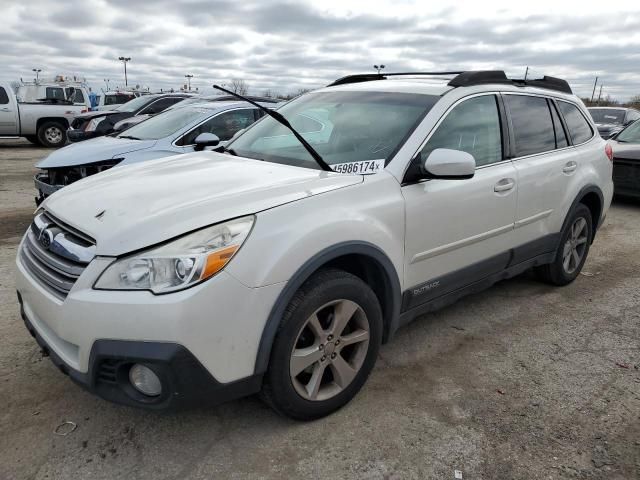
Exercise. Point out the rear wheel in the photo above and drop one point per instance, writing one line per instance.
(326, 346)
(572, 252)
(52, 134)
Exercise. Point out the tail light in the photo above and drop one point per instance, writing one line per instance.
(609, 151)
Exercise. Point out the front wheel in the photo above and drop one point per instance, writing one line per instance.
(325, 348)
(572, 252)
(52, 134)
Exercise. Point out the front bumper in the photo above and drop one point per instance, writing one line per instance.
(185, 382)
(216, 325)
(40, 180)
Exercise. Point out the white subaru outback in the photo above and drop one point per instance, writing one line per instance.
(281, 262)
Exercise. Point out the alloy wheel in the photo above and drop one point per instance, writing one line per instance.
(330, 350)
(575, 246)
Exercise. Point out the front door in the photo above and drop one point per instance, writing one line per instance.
(460, 231)
(8, 114)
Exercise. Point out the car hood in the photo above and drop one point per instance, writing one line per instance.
(628, 151)
(133, 207)
(93, 150)
(94, 114)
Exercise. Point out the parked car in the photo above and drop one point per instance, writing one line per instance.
(99, 123)
(111, 99)
(43, 122)
(170, 133)
(214, 275)
(626, 161)
(611, 120)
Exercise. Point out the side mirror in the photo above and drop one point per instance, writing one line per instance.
(448, 164)
(206, 140)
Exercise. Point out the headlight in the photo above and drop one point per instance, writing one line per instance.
(181, 263)
(93, 124)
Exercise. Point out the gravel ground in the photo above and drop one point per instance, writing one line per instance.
(521, 381)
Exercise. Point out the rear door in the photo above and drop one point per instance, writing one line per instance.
(8, 114)
(545, 163)
(460, 231)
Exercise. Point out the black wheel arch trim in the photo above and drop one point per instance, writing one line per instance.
(393, 294)
(581, 194)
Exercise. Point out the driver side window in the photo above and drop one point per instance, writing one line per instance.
(473, 126)
(224, 125)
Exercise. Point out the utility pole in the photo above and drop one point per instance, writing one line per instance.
(125, 60)
(526, 72)
(600, 94)
(37, 70)
(189, 77)
(378, 68)
(593, 94)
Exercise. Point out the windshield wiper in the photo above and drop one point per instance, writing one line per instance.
(129, 137)
(223, 149)
(283, 121)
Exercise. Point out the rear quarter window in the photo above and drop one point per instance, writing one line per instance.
(4, 98)
(579, 129)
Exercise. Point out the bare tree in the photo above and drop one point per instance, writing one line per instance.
(634, 102)
(239, 86)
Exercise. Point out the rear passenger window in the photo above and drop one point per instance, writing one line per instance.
(473, 126)
(532, 124)
(579, 129)
(4, 98)
(561, 137)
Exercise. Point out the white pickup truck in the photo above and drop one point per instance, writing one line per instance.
(44, 121)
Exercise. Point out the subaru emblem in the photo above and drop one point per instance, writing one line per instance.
(46, 238)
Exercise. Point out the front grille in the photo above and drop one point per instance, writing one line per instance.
(63, 176)
(55, 254)
(108, 371)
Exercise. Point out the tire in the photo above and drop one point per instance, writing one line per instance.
(52, 134)
(324, 297)
(33, 139)
(560, 272)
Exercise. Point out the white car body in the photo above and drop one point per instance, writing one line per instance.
(427, 237)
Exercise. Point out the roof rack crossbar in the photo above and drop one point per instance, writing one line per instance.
(471, 78)
(465, 79)
(368, 77)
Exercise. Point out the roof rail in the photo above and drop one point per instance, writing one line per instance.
(368, 77)
(465, 79)
(471, 78)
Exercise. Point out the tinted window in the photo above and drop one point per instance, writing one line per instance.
(166, 123)
(161, 104)
(532, 125)
(4, 99)
(631, 134)
(561, 136)
(55, 92)
(224, 125)
(579, 129)
(473, 127)
(607, 115)
(116, 99)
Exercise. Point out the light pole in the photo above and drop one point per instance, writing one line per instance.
(593, 94)
(378, 68)
(37, 70)
(125, 60)
(526, 72)
(188, 77)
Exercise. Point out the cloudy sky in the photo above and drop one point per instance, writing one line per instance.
(284, 45)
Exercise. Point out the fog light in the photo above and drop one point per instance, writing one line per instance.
(145, 380)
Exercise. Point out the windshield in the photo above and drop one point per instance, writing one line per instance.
(165, 123)
(631, 134)
(607, 115)
(135, 104)
(343, 127)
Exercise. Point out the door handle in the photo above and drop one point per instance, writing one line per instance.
(570, 167)
(504, 185)
(5, 109)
